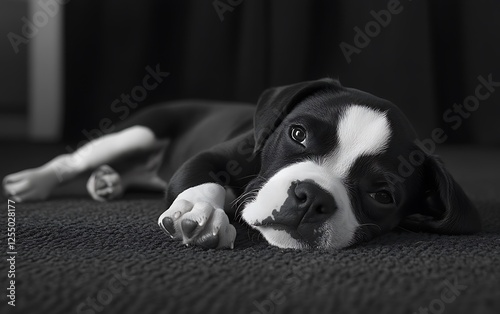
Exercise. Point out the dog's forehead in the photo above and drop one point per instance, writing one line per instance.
(348, 129)
(361, 131)
(328, 105)
(326, 109)
(344, 128)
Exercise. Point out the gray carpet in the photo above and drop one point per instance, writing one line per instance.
(80, 256)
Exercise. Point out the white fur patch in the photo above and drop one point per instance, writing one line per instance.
(211, 193)
(202, 204)
(361, 131)
(279, 238)
(274, 193)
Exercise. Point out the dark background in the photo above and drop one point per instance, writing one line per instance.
(425, 60)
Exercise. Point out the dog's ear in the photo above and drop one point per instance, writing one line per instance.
(446, 209)
(276, 102)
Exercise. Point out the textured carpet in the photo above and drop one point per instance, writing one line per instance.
(80, 256)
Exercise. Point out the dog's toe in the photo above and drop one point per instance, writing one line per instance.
(170, 220)
(208, 241)
(168, 226)
(217, 232)
(189, 227)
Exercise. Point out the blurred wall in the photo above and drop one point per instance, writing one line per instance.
(426, 59)
(13, 72)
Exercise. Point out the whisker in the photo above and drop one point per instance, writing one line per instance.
(250, 176)
(242, 195)
(248, 199)
(239, 198)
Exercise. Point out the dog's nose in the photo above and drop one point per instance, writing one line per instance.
(314, 200)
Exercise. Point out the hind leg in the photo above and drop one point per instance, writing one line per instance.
(37, 183)
(141, 172)
(141, 133)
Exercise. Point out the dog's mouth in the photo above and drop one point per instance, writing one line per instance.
(277, 226)
(285, 218)
(305, 234)
(282, 236)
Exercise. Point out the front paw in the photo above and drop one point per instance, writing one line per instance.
(198, 223)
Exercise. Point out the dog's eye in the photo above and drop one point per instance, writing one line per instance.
(298, 134)
(383, 197)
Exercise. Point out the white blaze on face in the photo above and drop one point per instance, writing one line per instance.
(361, 131)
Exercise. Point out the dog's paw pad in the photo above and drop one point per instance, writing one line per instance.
(100, 184)
(105, 184)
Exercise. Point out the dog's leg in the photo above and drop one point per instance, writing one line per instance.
(38, 183)
(137, 172)
(196, 194)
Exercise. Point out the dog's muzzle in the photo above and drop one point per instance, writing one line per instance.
(304, 211)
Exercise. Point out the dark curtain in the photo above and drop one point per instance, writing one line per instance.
(427, 58)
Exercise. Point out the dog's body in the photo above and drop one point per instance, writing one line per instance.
(315, 165)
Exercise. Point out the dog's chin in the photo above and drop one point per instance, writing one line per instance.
(275, 233)
(281, 236)
(301, 237)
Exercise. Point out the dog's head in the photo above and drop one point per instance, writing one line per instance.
(341, 166)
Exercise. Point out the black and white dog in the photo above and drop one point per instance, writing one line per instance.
(315, 165)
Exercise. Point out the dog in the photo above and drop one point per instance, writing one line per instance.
(313, 166)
